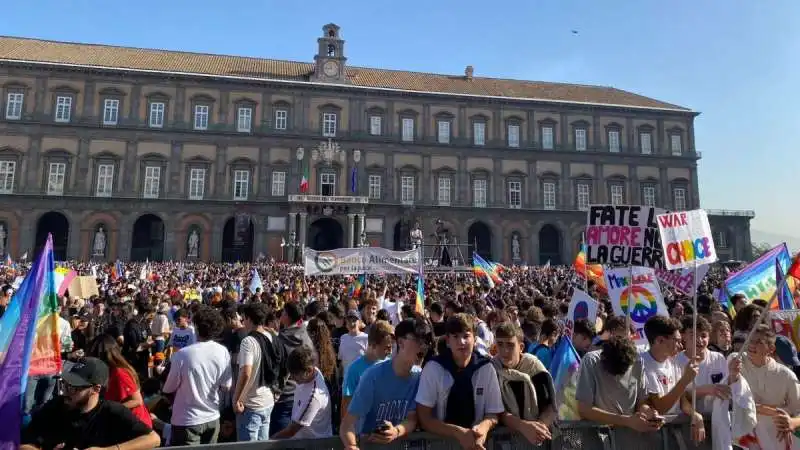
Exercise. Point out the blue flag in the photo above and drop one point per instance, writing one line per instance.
(785, 300)
(354, 180)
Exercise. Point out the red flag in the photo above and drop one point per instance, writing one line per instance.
(794, 270)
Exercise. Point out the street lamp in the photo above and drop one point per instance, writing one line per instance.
(292, 244)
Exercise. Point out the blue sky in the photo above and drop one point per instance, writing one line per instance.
(733, 60)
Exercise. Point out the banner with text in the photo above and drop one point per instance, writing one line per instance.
(639, 299)
(686, 239)
(682, 280)
(624, 235)
(757, 279)
(355, 261)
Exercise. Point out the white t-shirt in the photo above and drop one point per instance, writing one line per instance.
(159, 327)
(712, 370)
(312, 409)
(393, 308)
(182, 337)
(197, 375)
(351, 347)
(255, 398)
(661, 377)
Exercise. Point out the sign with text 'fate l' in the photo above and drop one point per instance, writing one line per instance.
(623, 235)
(686, 237)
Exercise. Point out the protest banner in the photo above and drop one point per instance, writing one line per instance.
(757, 279)
(638, 298)
(686, 239)
(581, 306)
(623, 235)
(364, 260)
(682, 280)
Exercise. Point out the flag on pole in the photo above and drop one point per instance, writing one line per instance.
(29, 342)
(564, 369)
(419, 305)
(304, 180)
(785, 300)
(255, 281)
(354, 180)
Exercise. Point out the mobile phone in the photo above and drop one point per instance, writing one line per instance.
(382, 428)
(656, 419)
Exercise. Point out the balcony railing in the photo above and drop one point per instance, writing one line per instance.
(731, 213)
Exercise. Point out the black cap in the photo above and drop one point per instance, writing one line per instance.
(86, 372)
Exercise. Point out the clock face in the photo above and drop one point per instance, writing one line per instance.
(331, 68)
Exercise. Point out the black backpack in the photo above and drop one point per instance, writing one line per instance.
(273, 357)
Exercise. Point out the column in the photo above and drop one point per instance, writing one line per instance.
(82, 185)
(302, 234)
(174, 166)
(665, 193)
(31, 184)
(360, 225)
(88, 101)
(350, 223)
(659, 139)
(428, 196)
(180, 105)
(124, 238)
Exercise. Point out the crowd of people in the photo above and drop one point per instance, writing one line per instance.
(179, 353)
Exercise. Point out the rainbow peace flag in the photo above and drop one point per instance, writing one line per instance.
(480, 267)
(590, 272)
(758, 279)
(29, 342)
(419, 304)
(358, 284)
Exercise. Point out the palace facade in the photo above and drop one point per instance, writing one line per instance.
(126, 153)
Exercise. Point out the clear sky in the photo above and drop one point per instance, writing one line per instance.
(736, 61)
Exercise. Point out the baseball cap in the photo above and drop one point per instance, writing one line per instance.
(86, 372)
(786, 351)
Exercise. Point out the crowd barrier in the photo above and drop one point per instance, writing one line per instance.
(567, 436)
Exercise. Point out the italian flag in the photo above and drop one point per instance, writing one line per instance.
(304, 180)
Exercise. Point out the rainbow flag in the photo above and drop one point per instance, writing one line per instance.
(564, 370)
(481, 267)
(29, 343)
(117, 271)
(758, 279)
(63, 278)
(590, 272)
(358, 284)
(419, 305)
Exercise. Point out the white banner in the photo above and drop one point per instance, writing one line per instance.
(639, 299)
(582, 306)
(686, 237)
(355, 261)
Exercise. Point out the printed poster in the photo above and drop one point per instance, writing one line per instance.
(624, 235)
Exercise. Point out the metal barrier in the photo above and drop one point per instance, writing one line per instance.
(567, 436)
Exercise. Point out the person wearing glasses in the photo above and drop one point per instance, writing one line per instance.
(383, 407)
(81, 419)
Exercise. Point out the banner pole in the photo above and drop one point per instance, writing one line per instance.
(694, 332)
(628, 300)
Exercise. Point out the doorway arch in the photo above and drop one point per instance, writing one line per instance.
(57, 224)
(550, 245)
(398, 242)
(147, 241)
(480, 240)
(237, 240)
(325, 234)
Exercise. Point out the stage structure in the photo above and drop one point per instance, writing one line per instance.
(443, 253)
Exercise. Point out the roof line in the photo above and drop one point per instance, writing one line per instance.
(351, 86)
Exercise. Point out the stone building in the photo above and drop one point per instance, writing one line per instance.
(125, 153)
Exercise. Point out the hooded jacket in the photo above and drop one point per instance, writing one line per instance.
(292, 338)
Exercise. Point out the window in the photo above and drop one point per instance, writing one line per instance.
(549, 195)
(201, 117)
(513, 136)
(278, 184)
(645, 141)
(617, 194)
(375, 187)
(197, 184)
(444, 191)
(14, 106)
(679, 197)
(547, 138)
(375, 125)
(479, 133)
(244, 120)
(675, 144)
(327, 183)
(649, 196)
(281, 119)
(515, 194)
(408, 129)
(580, 139)
(157, 114)
(443, 131)
(329, 124)
(105, 180)
(722, 239)
(613, 141)
(63, 108)
(584, 196)
(110, 111)
(407, 190)
(479, 193)
(241, 184)
(7, 169)
(56, 178)
(152, 181)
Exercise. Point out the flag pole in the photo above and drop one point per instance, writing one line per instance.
(694, 332)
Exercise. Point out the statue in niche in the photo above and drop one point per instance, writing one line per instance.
(99, 248)
(416, 236)
(193, 244)
(515, 247)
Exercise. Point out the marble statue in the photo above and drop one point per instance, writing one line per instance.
(99, 243)
(2, 240)
(194, 244)
(515, 247)
(416, 236)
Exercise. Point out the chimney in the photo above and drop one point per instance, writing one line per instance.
(468, 73)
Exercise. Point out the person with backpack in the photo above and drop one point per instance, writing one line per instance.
(260, 361)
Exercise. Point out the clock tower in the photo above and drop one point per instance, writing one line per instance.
(329, 62)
